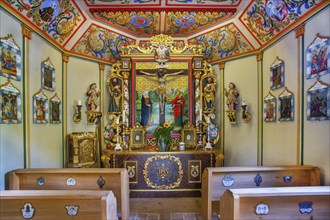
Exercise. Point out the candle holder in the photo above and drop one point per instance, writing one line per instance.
(200, 136)
(246, 116)
(208, 145)
(77, 114)
(118, 147)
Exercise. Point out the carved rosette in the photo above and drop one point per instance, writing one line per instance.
(163, 172)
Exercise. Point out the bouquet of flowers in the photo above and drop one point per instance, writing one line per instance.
(163, 135)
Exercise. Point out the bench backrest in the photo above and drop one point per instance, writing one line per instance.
(310, 202)
(215, 180)
(58, 204)
(114, 179)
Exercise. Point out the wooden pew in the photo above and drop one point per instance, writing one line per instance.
(58, 204)
(215, 180)
(114, 179)
(309, 202)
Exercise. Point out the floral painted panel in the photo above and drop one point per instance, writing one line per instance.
(203, 2)
(100, 3)
(265, 19)
(59, 19)
(101, 43)
(135, 22)
(183, 22)
(223, 42)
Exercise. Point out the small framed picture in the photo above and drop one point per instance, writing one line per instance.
(10, 58)
(40, 108)
(188, 135)
(270, 108)
(55, 110)
(277, 74)
(10, 104)
(318, 57)
(137, 136)
(286, 105)
(47, 75)
(318, 101)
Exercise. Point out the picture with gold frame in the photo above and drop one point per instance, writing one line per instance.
(318, 101)
(277, 74)
(40, 108)
(47, 75)
(137, 136)
(10, 58)
(55, 110)
(286, 105)
(10, 104)
(188, 135)
(270, 108)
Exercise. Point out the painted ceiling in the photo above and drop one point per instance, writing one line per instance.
(99, 29)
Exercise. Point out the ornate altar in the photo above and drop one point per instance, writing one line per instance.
(161, 84)
(163, 174)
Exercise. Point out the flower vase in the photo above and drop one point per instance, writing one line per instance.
(162, 144)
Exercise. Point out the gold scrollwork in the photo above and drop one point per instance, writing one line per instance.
(162, 172)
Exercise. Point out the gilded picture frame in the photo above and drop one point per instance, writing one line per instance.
(277, 74)
(137, 136)
(10, 58)
(10, 104)
(318, 57)
(318, 101)
(188, 136)
(40, 108)
(270, 108)
(55, 110)
(286, 105)
(47, 75)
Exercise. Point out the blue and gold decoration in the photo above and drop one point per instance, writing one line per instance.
(132, 170)
(305, 207)
(228, 180)
(163, 172)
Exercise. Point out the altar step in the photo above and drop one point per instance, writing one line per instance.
(187, 208)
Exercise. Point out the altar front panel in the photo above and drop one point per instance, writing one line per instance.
(163, 174)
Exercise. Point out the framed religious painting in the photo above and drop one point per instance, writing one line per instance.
(188, 136)
(277, 74)
(10, 58)
(55, 110)
(137, 136)
(10, 106)
(47, 75)
(318, 101)
(270, 108)
(40, 108)
(286, 105)
(318, 57)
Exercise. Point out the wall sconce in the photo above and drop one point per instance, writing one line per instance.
(77, 114)
(246, 116)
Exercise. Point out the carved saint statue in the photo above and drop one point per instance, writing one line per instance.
(232, 96)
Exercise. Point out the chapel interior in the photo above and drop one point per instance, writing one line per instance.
(167, 90)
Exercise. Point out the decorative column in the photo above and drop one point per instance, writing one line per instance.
(260, 107)
(222, 104)
(101, 122)
(300, 31)
(65, 60)
(26, 32)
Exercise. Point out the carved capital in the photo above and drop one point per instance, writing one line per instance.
(65, 57)
(101, 66)
(300, 30)
(125, 74)
(198, 74)
(259, 56)
(222, 65)
(26, 31)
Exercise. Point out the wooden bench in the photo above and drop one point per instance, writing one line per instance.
(58, 204)
(310, 202)
(114, 179)
(215, 180)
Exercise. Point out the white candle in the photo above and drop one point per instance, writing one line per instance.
(243, 101)
(117, 121)
(123, 115)
(200, 115)
(79, 102)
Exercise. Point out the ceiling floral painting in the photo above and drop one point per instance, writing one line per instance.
(101, 43)
(211, 3)
(102, 3)
(188, 21)
(266, 19)
(135, 22)
(223, 42)
(59, 19)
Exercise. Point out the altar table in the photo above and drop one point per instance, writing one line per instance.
(163, 174)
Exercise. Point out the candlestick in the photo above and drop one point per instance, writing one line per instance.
(79, 102)
(200, 115)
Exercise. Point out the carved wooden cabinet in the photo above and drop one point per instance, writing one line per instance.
(82, 149)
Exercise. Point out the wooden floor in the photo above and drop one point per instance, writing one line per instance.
(165, 208)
